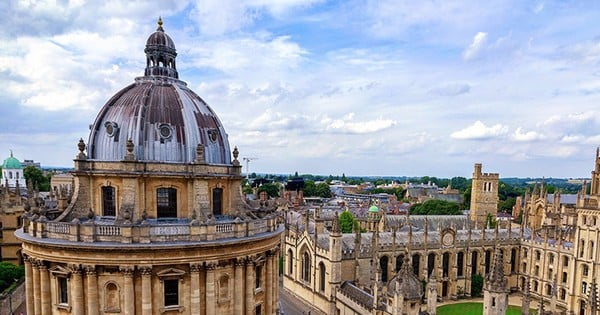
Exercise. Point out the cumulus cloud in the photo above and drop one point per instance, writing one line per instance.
(525, 136)
(472, 52)
(347, 124)
(479, 131)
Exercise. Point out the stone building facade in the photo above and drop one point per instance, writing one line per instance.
(551, 257)
(156, 223)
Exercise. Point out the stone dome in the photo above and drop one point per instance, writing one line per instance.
(165, 120)
(11, 163)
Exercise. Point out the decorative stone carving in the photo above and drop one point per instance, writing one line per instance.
(127, 271)
(81, 147)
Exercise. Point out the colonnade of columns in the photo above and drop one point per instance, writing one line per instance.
(246, 295)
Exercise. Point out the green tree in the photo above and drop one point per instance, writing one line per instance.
(476, 285)
(10, 273)
(459, 183)
(37, 178)
(435, 207)
(347, 222)
(271, 189)
(310, 189)
(323, 190)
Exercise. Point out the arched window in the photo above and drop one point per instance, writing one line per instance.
(217, 201)
(10, 175)
(166, 203)
(474, 261)
(460, 263)
(591, 250)
(445, 264)
(513, 260)
(306, 267)
(108, 201)
(488, 261)
(585, 270)
(290, 262)
(383, 264)
(321, 277)
(416, 264)
(430, 263)
(399, 261)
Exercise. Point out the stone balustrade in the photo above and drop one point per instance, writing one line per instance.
(91, 231)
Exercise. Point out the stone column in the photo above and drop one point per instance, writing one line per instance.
(269, 284)
(210, 288)
(29, 284)
(45, 289)
(195, 288)
(92, 289)
(146, 272)
(37, 304)
(77, 290)
(249, 287)
(276, 280)
(128, 290)
(238, 296)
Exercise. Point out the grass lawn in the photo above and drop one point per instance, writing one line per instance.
(472, 308)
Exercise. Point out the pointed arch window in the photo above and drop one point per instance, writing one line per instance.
(321, 277)
(306, 267)
(290, 262)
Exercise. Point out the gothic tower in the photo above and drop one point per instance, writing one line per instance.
(484, 195)
(495, 293)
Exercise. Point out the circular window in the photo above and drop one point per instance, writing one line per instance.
(165, 131)
(111, 128)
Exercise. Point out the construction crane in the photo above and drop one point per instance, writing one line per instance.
(248, 159)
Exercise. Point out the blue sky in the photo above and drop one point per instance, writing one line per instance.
(330, 87)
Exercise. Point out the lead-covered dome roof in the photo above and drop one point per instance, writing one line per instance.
(165, 120)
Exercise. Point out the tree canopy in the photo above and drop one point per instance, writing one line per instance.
(37, 178)
(347, 222)
(316, 190)
(271, 189)
(9, 273)
(435, 207)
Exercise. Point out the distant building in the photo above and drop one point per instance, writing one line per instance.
(12, 172)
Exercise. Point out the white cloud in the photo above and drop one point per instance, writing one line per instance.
(347, 124)
(479, 131)
(472, 52)
(520, 135)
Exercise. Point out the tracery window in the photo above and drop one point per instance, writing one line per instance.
(306, 267)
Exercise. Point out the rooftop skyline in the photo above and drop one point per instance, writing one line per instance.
(325, 87)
